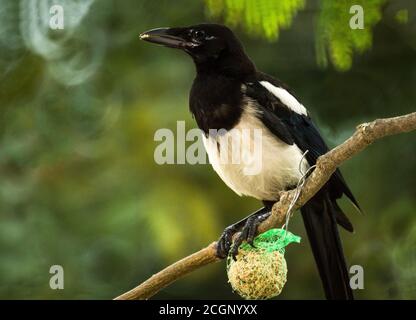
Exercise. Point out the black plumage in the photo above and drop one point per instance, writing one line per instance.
(226, 86)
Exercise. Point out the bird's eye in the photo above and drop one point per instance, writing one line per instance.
(199, 34)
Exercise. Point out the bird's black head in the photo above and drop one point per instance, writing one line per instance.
(213, 47)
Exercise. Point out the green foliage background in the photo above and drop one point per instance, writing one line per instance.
(79, 107)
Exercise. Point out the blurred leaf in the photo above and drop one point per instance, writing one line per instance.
(335, 34)
(402, 16)
(259, 17)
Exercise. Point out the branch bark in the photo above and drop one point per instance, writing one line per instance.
(364, 135)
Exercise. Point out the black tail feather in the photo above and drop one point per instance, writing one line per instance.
(320, 217)
(341, 218)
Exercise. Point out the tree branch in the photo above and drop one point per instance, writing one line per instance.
(364, 135)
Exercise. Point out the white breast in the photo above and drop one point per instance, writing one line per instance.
(262, 177)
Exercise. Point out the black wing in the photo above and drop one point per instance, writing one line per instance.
(301, 128)
(321, 213)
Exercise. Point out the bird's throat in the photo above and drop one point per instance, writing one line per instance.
(215, 101)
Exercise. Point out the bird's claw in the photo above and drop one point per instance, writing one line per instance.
(248, 233)
(225, 241)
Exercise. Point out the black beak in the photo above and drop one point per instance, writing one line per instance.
(167, 37)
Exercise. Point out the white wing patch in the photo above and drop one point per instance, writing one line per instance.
(286, 98)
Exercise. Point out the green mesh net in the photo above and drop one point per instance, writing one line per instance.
(272, 240)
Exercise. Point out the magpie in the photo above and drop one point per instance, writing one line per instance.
(230, 93)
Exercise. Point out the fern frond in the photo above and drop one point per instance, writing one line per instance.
(334, 35)
(262, 18)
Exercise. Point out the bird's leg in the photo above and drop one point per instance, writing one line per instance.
(248, 227)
